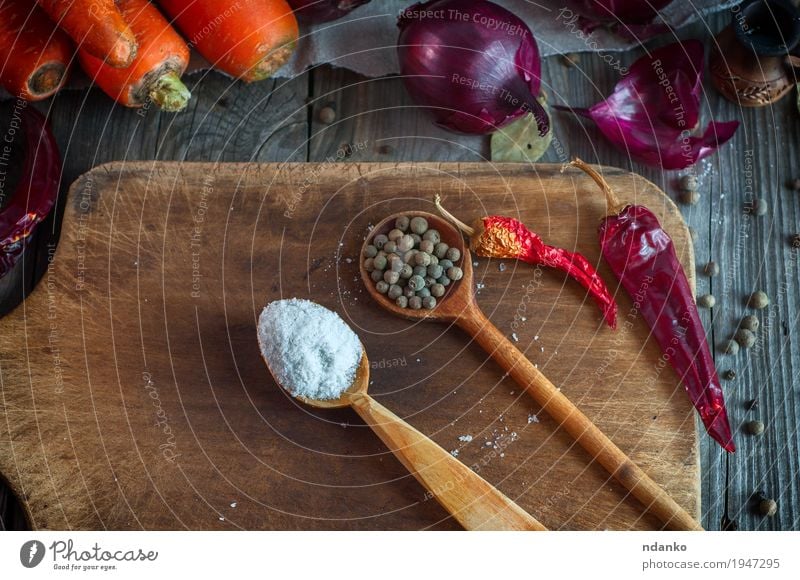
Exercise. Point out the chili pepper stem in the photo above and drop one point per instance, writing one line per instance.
(614, 204)
(470, 231)
(169, 93)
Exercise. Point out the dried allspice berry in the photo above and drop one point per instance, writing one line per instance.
(755, 427)
(749, 322)
(711, 269)
(729, 375)
(758, 300)
(758, 206)
(731, 347)
(767, 507)
(688, 183)
(745, 338)
(327, 115)
(689, 197)
(706, 301)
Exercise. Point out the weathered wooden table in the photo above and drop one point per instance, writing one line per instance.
(375, 121)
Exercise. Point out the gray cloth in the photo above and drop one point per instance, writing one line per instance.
(364, 40)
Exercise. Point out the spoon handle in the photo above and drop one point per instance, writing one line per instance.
(568, 416)
(470, 499)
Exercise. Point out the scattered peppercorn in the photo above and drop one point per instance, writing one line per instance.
(729, 375)
(758, 206)
(749, 322)
(711, 269)
(327, 115)
(688, 183)
(706, 301)
(755, 427)
(758, 300)
(752, 404)
(745, 338)
(767, 507)
(796, 241)
(731, 347)
(689, 197)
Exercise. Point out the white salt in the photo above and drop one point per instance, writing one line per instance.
(309, 349)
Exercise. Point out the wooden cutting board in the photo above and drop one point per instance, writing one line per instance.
(134, 396)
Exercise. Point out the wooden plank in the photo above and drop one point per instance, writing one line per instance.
(130, 326)
(377, 121)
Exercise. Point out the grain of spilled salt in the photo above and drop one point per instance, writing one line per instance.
(310, 350)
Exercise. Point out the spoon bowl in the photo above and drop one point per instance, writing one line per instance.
(458, 296)
(357, 387)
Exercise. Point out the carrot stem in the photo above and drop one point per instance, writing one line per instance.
(470, 231)
(169, 93)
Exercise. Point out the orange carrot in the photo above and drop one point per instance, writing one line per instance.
(96, 26)
(248, 39)
(155, 72)
(34, 54)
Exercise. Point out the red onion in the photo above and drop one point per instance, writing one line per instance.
(314, 11)
(37, 189)
(473, 64)
(654, 112)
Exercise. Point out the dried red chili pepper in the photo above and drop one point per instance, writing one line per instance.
(642, 257)
(37, 189)
(505, 237)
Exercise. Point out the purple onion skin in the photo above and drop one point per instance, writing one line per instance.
(618, 11)
(315, 11)
(473, 64)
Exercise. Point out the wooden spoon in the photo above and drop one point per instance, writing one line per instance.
(470, 499)
(458, 305)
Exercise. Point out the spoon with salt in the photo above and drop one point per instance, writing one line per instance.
(459, 306)
(319, 360)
